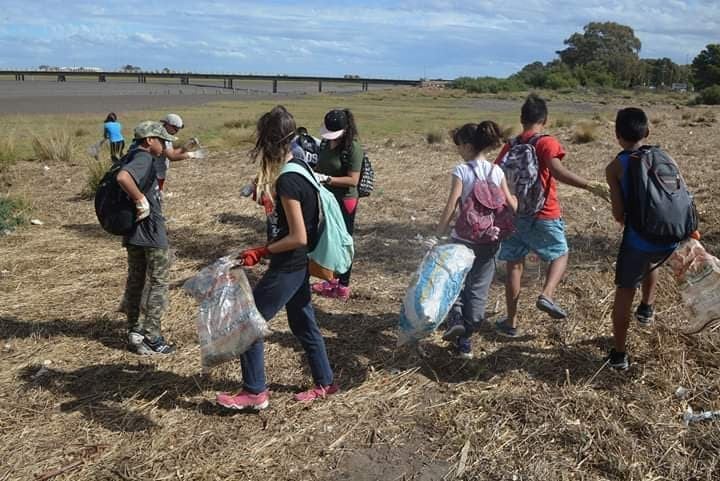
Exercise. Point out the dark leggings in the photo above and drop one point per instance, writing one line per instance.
(349, 218)
(116, 150)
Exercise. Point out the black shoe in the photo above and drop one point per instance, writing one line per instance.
(145, 346)
(455, 327)
(645, 314)
(618, 360)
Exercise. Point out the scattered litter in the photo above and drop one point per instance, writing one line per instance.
(36, 222)
(693, 417)
(43, 370)
(4, 272)
(681, 392)
(46, 168)
(413, 218)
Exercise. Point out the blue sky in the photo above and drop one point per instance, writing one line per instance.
(402, 39)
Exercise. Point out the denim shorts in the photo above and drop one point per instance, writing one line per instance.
(633, 265)
(544, 237)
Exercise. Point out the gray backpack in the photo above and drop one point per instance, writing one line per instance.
(522, 173)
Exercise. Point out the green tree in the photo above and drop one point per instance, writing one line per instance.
(706, 67)
(608, 44)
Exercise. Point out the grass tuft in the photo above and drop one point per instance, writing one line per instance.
(56, 146)
(585, 132)
(95, 170)
(434, 137)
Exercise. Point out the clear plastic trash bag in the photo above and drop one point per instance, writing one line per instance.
(228, 322)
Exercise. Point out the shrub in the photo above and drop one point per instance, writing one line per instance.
(508, 131)
(55, 146)
(11, 214)
(434, 137)
(241, 136)
(80, 132)
(584, 133)
(561, 122)
(95, 170)
(709, 96)
(239, 124)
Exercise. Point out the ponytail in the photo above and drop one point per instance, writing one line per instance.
(482, 136)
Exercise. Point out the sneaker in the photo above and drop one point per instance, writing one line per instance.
(143, 345)
(324, 287)
(244, 400)
(550, 308)
(504, 329)
(339, 292)
(645, 314)
(455, 327)
(318, 392)
(463, 348)
(618, 360)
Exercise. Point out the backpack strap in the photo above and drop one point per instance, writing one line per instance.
(294, 168)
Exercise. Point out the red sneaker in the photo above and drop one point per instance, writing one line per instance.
(318, 392)
(340, 292)
(243, 400)
(324, 288)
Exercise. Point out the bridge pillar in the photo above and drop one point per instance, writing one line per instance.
(61, 78)
(320, 86)
(102, 78)
(185, 80)
(274, 86)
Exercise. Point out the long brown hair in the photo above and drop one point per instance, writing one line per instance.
(274, 134)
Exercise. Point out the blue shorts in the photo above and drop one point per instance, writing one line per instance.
(544, 237)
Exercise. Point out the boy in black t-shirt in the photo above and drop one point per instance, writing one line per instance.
(146, 244)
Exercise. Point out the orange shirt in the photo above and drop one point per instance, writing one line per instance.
(547, 148)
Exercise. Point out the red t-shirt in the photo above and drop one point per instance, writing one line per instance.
(547, 148)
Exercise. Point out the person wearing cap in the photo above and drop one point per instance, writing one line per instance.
(173, 123)
(339, 164)
(147, 244)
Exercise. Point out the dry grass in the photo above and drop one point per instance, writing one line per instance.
(56, 146)
(8, 149)
(94, 170)
(541, 407)
(435, 137)
(585, 132)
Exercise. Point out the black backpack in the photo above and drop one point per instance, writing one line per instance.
(114, 209)
(659, 206)
(366, 183)
(309, 146)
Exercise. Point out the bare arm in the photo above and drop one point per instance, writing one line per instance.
(509, 198)
(127, 183)
(613, 174)
(346, 181)
(297, 235)
(561, 173)
(175, 154)
(450, 206)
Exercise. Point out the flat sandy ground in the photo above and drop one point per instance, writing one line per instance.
(540, 407)
(43, 96)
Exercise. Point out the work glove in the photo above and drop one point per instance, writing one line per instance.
(430, 242)
(600, 189)
(142, 208)
(197, 154)
(322, 178)
(250, 257)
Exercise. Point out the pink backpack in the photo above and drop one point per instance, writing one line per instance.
(484, 216)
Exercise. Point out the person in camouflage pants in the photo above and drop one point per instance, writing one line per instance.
(147, 243)
(152, 266)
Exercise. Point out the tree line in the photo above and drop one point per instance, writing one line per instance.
(607, 54)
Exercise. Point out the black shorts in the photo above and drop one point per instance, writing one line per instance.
(633, 265)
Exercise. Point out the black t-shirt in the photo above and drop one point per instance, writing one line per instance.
(149, 232)
(294, 186)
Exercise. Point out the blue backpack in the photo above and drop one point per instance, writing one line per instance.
(334, 250)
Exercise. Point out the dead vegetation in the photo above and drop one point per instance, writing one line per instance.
(542, 407)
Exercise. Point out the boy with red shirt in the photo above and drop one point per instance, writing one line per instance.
(543, 233)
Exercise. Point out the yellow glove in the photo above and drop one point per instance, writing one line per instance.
(600, 189)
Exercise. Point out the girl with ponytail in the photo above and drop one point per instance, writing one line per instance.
(291, 203)
(473, 142)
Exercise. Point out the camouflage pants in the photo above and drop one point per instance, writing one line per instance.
(149, 271)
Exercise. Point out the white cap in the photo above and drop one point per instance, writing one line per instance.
(175, 120)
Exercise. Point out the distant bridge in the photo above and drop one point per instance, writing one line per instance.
(189, 78)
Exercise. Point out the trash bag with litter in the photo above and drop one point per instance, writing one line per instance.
(433, 290)
(698, 275)
(228, 322)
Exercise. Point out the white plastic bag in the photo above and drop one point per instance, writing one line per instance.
(228, 322)
(698, 275)
(433, 290)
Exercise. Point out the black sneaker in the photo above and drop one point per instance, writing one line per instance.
(145, 346)
(455, 327)
(645, 314)
(618, 360)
